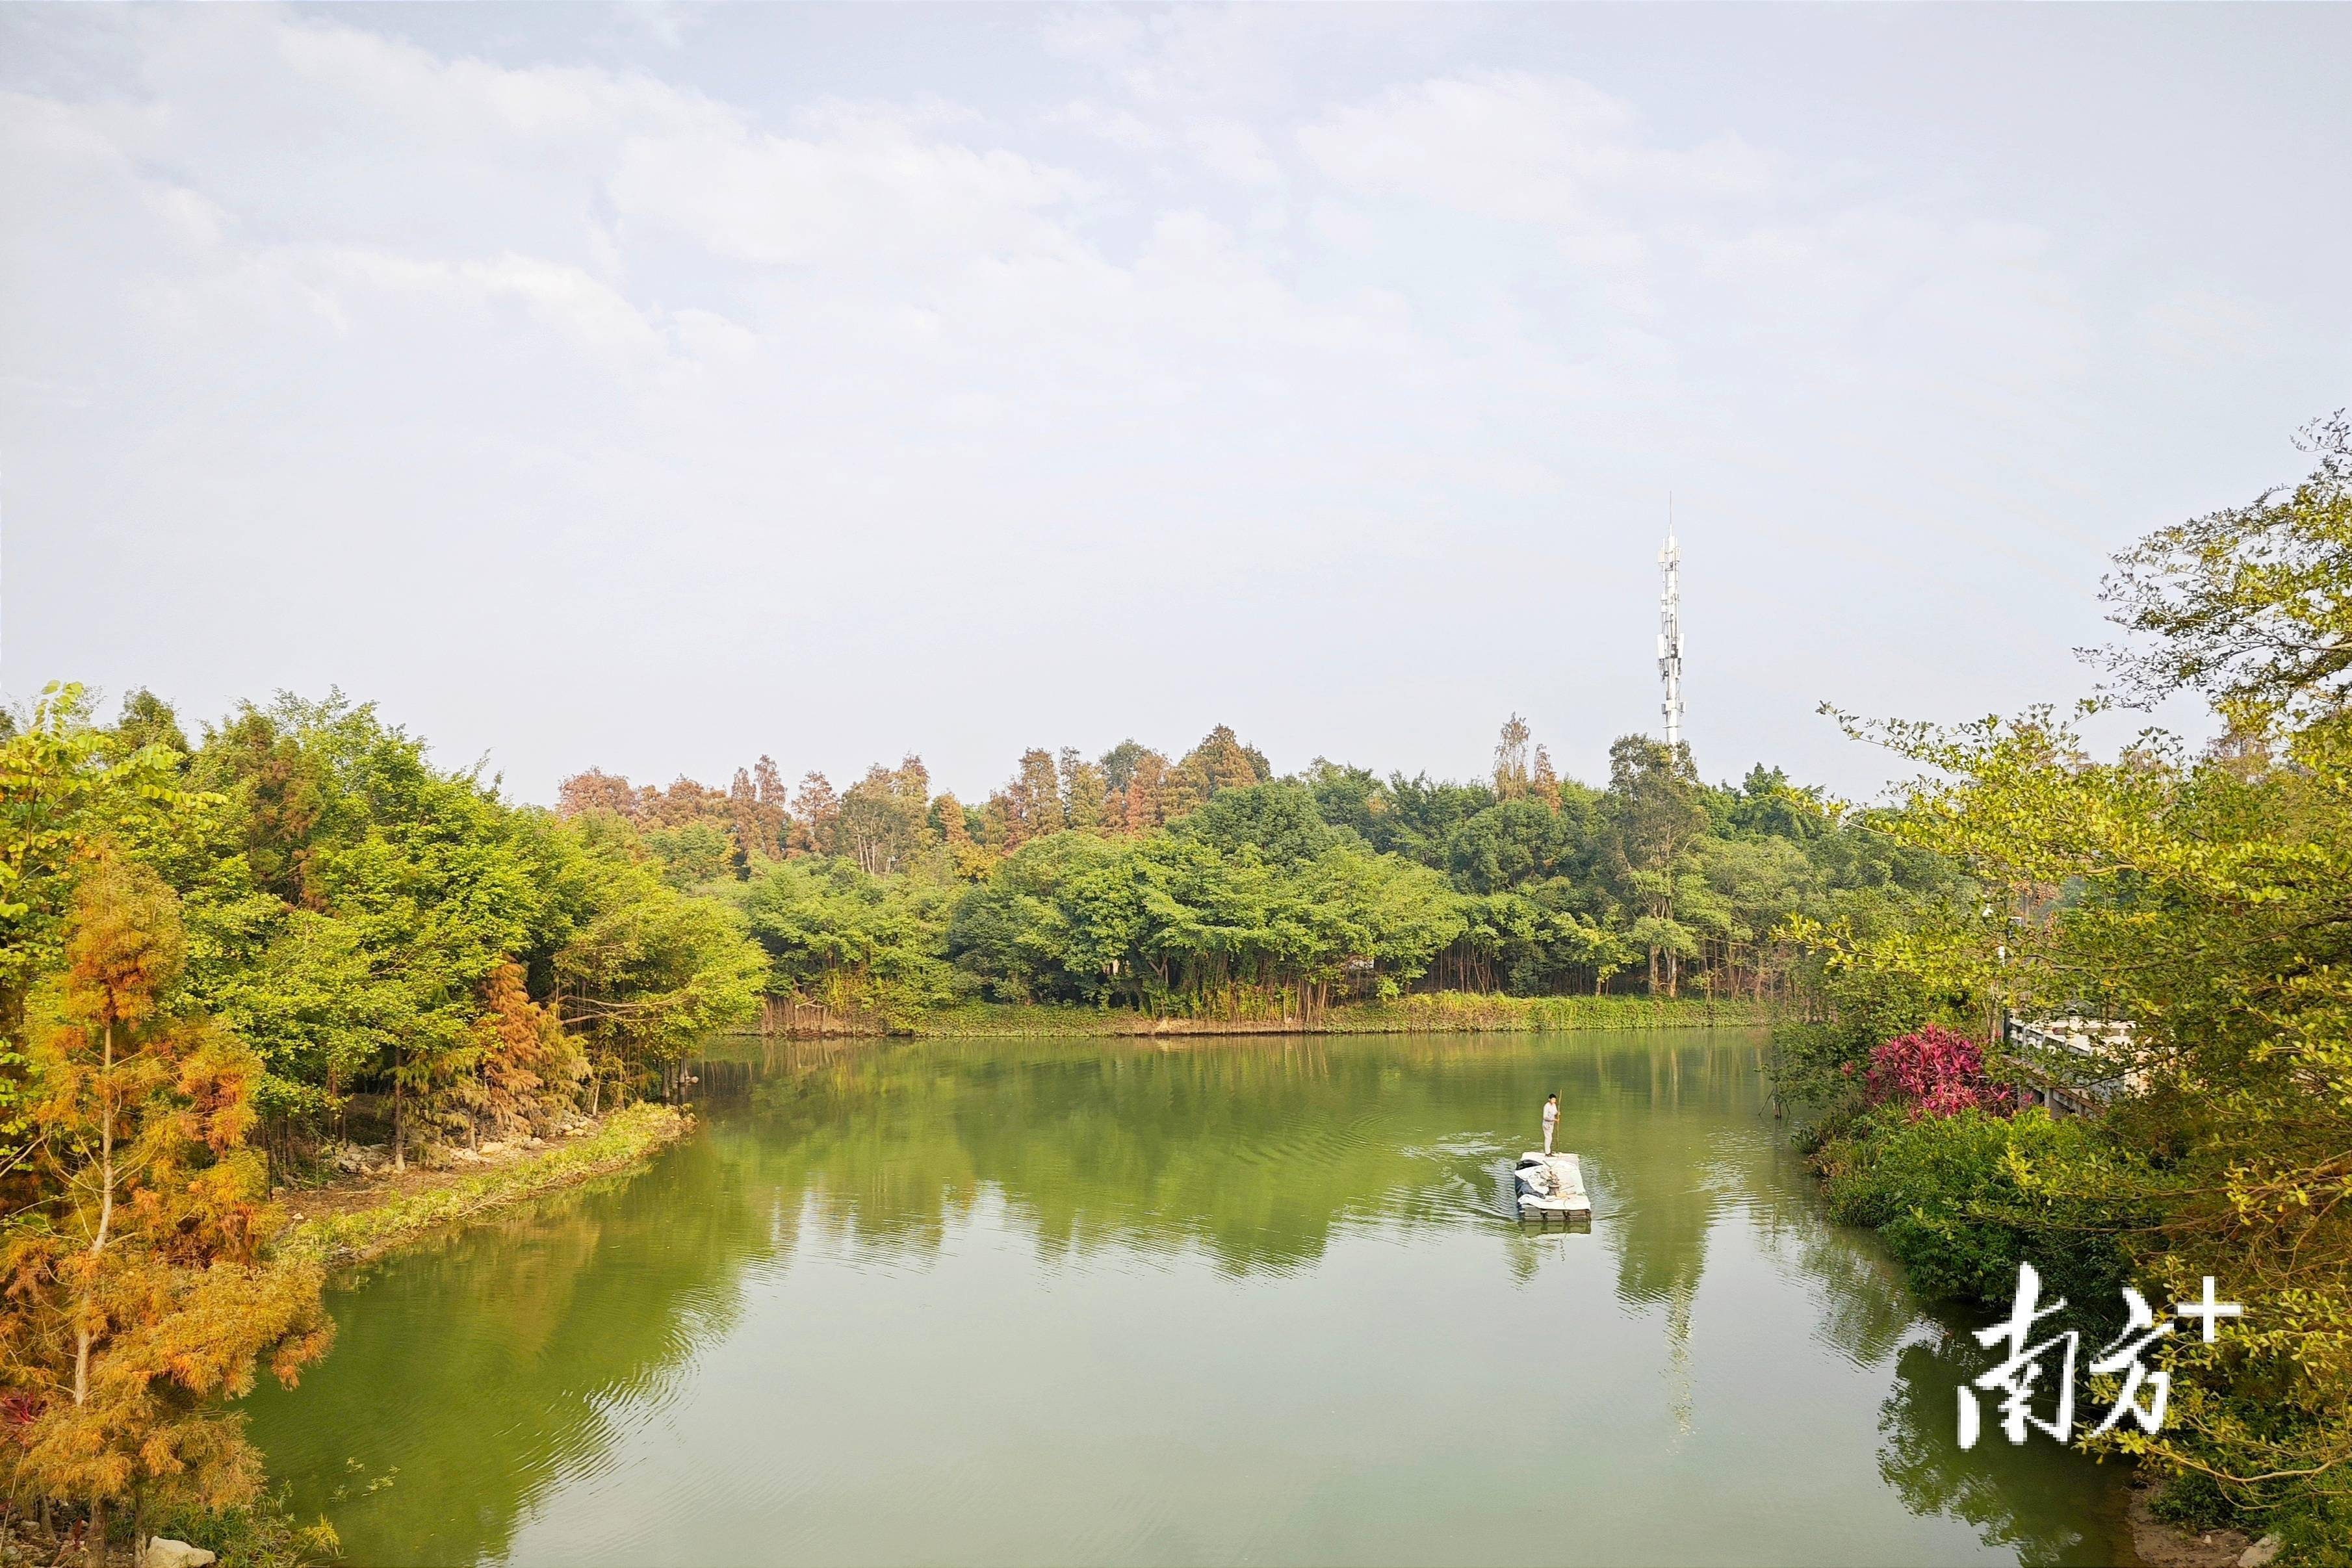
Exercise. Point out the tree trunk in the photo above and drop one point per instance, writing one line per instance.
(105, 1212)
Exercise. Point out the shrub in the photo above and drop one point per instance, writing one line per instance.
(1961, 1199)
(1933, 1071)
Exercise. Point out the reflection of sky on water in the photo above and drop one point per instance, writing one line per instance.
(1098, 1300)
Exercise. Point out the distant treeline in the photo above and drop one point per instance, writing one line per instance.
(1205, 886)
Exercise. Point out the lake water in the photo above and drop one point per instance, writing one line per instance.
(1236, 1301)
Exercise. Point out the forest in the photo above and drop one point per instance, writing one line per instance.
(1205, 886)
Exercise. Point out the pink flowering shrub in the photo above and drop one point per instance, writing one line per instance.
(1932, 1072)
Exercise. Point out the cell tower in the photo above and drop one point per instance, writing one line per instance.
(1670, 634)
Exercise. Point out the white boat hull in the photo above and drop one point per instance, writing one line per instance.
(1552, 1184)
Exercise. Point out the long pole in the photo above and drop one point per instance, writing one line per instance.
(1669, 633)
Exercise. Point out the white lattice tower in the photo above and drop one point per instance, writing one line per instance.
(1670, 637)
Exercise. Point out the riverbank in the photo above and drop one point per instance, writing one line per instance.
(2161, 1544)
(1421, 1013)
(358, 1221)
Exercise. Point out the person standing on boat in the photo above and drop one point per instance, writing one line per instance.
(1551, 1120)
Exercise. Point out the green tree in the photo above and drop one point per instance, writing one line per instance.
(63, 784)
(1655, 815)
(693, 853)
(147, 720)
(1220, 762)
(836, 937)
(1088, 805)
(2251, 605)
(883, 823)
(1277, 820)
(643, 971)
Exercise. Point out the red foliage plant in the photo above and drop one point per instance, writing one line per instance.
(1934, 1073)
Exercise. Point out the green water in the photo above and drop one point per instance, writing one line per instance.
(1095, 1300)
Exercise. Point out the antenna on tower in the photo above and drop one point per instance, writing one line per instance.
(1670, 629)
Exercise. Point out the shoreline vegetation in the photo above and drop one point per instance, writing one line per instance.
(1420, 1012)
(361, 1218)
(2177, 920)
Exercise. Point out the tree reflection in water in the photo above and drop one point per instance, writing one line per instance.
(493, 1362)
(1922, 1460)
(524, 1356)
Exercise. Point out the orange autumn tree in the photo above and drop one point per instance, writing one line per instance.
(137, 1295)
(528, 1066)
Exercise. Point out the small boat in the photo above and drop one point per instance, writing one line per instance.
(1552, 1184)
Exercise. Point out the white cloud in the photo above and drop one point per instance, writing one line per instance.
(563, 298)
(1233, 151)
(1845, 282)
(942, 386)
(1121, 127)
(873, 187)
(461, 100)
(1522, 147)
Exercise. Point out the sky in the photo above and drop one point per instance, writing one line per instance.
(651, 389)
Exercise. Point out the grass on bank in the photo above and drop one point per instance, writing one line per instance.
(1439, 1011)
(629, 1135)
(1426, 1012)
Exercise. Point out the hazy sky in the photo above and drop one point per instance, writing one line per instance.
(651, 389)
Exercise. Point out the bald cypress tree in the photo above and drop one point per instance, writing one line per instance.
(141, 1298)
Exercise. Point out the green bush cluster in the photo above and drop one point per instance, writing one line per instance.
(1962, 1200)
